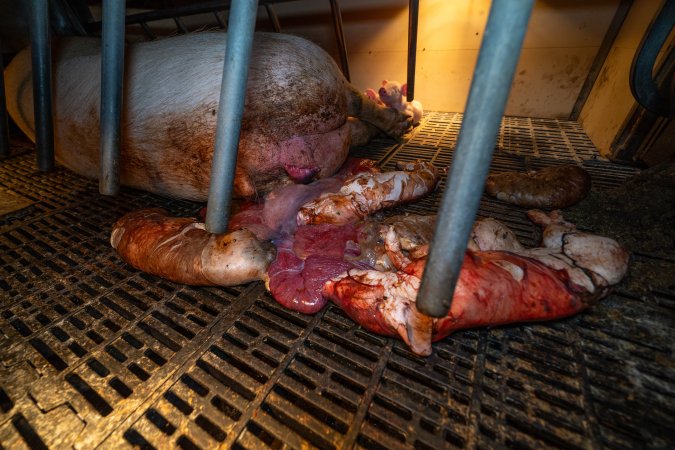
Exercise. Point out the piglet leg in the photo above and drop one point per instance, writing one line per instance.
(392, 122)
(360, 132)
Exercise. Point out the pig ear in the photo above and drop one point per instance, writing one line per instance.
(384, 82)
(404, 89)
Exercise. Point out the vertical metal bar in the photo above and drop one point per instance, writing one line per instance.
(112, 74)
(148, 31)
(490, 87)
(221, 23)
(42, 84)
(182, 29)
(600, 57)
(413, 13)
(272, 14)
(4, 128)
(339, 34)
(240, 29)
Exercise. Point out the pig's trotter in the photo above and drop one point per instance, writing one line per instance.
(360, 132)
(393, 123)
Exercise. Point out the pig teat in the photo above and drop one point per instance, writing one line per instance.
(301, 174)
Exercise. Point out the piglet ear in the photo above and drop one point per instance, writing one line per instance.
(384, 82)
(404, 89)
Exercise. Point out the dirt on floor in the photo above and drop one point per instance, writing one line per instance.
(640, 215)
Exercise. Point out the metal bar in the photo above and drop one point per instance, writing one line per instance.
(272, 14)
(148, 31)
(182, 29)
(642, 82)
(500, 49)
(168, 13)
(42, 84)
(112, 74)
(601, 56)
(221, 23)
(240, 27)
(642, 127)
(413, 13)
(339, 35)
(69, 16)
(4, 127)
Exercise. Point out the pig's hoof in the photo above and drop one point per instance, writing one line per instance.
(400, 125)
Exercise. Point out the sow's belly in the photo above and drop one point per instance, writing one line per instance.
(294, 125)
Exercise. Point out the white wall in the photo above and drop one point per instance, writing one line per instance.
(561, 42)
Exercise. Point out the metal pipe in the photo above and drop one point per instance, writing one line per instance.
(272, 14)
(4, 128)
(490, 88)
(112, 74)
(642, 82)
(221, 23)
(148, 31)
(240, 27)
(340, 36)
(69, 16)
(182, 29)
(413, 13)
(42, 84)
(188, 9)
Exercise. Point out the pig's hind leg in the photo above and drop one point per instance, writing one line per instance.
(390, 121)
(360, 132)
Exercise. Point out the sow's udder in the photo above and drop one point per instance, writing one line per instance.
(294, 127)
(298, 159)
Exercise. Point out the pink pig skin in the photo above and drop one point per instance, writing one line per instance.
(300, 116)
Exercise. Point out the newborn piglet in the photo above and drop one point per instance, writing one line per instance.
(392, 94)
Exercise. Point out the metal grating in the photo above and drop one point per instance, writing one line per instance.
(94, 353)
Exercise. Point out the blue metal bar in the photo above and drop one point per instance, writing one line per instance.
(490, 88)
(42, 84)
(112, 74)
(241, 25)
(413, 13)
(340, 37)
(4, 129)
(642, 82)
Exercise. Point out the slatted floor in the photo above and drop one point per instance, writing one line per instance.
(96, 354)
